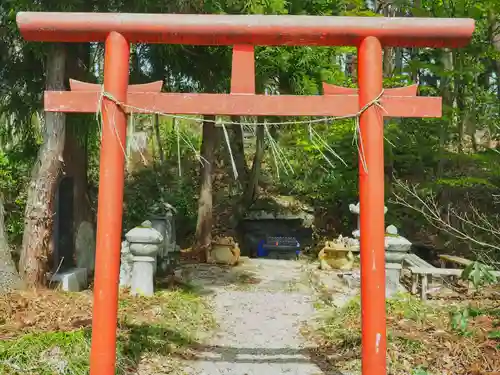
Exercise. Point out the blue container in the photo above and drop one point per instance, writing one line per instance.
(261, 252)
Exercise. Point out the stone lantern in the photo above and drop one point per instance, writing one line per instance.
(144, 244)
(396, 248)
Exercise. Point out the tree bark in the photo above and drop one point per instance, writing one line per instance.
(77, 133)
(161, 153)
(252, 188)
(9, 278)
(35, 252)
(203, 236)
(447, 122)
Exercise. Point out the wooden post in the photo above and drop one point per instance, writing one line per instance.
(110, 207)
(371, 198)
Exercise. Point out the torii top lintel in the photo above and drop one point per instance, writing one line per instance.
(202, 29)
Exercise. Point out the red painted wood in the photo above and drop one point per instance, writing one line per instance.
(329, 89)
(371, 198)
(244, 104)
(143, 87)
(243, 70)
(110, 208)
(205, 29)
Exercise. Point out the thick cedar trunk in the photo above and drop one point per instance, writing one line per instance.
(9, 278)
(34, 260)
(203, 235)
(75, 165)
(75, 145)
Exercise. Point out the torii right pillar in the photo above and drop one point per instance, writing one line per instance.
(371, 190)
(371, 204)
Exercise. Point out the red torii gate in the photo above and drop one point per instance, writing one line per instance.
(243, 32)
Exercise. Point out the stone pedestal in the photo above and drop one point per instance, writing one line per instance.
(141, 283)
(392, 275)
(145, 243)
(396, 248)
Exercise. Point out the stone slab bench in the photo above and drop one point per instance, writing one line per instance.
(423, 274)
(445, 259)
(414, 260)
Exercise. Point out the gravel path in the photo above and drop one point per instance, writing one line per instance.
(259, 323)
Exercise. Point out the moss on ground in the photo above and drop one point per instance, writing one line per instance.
(48, 333)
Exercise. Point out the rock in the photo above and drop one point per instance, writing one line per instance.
(391, 229)
(72, 280)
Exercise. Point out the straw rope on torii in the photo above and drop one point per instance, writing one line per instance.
(278, 156)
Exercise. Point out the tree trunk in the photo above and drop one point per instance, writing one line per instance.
(34, 260)
(9, 278)
(77, 133)
(203, 237)
(252, 188)
(388, 58)
(156, 124)
(448, 103)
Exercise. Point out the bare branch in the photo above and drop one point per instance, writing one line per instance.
(442, 219)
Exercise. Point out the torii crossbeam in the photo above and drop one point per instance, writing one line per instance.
(243, 32)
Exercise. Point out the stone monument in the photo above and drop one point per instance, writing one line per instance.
(164, 223)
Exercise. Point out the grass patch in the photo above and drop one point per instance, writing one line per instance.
(49, 333)
(424, 339)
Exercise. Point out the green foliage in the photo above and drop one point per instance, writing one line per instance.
(146, 188)
(14, 176)
(459, 321)
(479, 274)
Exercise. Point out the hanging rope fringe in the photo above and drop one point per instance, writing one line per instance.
(233, 164)
(176, 126)
(278, 155)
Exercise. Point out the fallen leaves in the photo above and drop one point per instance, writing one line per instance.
(421, 336)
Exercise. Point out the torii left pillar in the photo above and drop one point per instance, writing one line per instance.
(110, 200)
(110, 205)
